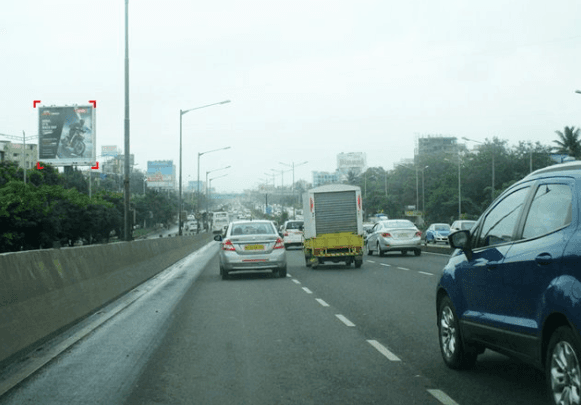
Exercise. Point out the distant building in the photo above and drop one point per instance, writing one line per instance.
(322, 178)
(12, 152)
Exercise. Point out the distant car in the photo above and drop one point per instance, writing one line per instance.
(394, 235)
(292, 233)
(191, 225)
(251, 245)
(437, 233)
(514, 283)
(462, 225)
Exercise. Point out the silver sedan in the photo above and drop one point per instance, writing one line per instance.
(251, 245)
(394, 235)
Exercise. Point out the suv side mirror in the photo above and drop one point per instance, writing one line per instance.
(301, 228)
(461, 240)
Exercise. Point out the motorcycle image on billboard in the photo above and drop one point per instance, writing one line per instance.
(67, 135)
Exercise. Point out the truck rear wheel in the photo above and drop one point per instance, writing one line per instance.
(358, 263)
(308, 260)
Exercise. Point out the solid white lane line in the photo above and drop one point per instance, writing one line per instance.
(383, 350)
(443, 397)
(403, 268)
(385, 264)
(344, 320)
(323, 303)
(307, 290)
(427, 274)
(296, 281)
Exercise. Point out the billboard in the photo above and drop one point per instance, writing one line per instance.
(160, 174)
(109, 151)
(66, 135)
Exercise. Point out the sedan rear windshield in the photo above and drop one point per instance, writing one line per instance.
(253, 228)
(398, 224)
(294, 225)
(442, 227)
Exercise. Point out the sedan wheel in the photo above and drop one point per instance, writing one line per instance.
(379, 251)
(369, 251)
(563, 370)
(453, 350)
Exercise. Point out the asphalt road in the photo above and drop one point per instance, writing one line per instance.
(335, 335)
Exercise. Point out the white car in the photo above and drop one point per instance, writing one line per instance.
(462, 225)
(191, 226)
(292, 233)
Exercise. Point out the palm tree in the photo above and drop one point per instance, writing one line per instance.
(569, 142)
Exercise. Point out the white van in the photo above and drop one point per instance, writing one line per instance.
(220, 221)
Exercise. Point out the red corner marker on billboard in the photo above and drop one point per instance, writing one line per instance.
(94, 102)
(96, 166)
(38, 166)
(35, 102)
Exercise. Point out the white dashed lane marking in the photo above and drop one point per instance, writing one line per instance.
(383, 350)
(296, 281)
(443, 397)
(323, 303)
(288, 275)
(427, 274)
(307, 290)
(371, 261)
(385, 264)
(403, 268)
(344, 320)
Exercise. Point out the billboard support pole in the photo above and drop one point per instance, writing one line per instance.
(24, 155)
(127, 235)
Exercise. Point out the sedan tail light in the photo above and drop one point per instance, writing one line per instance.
(419, 233)
(386, 235)
(279, 244)
(227, 245)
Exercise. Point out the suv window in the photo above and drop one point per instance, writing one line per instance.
(499, 224)
(550, 210)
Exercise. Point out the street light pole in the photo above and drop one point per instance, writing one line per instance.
(482, 143)
(423, 194)
(208, 172)
(293, 168)
(417, 186)
(198, 186)
(182, 112)
(214, 178)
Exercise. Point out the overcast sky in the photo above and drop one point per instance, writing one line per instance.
(308, 79)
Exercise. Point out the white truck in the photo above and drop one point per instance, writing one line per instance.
(220, 221)
(333, 228)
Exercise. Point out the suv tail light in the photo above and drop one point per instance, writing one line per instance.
(278, 244)
(227, 245)
(386, 235)
(286, 234)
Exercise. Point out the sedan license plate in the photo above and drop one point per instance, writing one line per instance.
(254, 247)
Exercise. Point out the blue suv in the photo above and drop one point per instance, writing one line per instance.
(513, 285)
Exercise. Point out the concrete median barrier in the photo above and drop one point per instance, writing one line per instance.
(44, 291)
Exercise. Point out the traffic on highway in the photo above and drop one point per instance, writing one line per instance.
(492, 316)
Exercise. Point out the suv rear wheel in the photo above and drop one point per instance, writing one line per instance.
(452, 347)
(563, 371)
